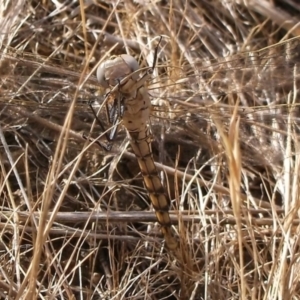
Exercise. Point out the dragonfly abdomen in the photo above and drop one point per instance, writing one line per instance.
(141, 146)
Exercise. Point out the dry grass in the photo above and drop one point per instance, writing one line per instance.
(75, 221)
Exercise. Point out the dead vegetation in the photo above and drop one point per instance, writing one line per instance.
(76, 221)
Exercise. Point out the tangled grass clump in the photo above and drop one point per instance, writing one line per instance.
(76, 221)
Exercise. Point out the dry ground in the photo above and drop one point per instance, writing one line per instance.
(76, 221)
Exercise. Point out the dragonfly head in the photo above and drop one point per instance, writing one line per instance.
(112, 71)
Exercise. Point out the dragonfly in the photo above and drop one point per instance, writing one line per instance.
(192, 97)
(132, 103)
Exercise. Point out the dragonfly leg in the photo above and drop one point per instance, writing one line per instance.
(113, 118)
(100, 144)
(114, 113)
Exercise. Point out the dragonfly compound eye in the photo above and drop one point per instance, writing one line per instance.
(101, 75)
(132, 64)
